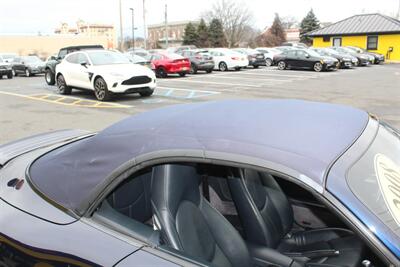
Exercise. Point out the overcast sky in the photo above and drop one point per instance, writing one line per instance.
(31, 17)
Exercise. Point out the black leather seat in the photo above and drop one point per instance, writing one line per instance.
(132, 198)
(189, 223)
(267, 219)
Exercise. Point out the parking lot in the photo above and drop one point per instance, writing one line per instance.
(29, 106)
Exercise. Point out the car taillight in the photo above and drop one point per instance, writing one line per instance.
(235, 58)
(152, 66)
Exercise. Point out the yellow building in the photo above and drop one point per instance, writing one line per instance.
(373, 32)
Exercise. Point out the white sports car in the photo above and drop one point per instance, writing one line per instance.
(104, 72)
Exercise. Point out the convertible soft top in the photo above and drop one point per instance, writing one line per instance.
(303, 136)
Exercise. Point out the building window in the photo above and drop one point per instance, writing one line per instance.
(326, 39)
(337, 41)
(372, 42)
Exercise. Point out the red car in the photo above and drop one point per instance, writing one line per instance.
(169, 63)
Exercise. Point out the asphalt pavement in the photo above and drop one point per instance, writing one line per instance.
(29, 106)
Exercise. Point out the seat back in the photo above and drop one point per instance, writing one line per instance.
(132, 198)
(189, 223)
(266, 213)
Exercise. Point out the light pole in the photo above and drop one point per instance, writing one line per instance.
(133, 28)
(144, 25)
(120, 26)
(166, 26)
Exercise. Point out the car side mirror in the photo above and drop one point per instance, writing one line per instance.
(307, 56)
(59, 58)
(84, 64)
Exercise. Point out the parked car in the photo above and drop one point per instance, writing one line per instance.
(139, 52)
(269, 54)
(256, 59)
(171, 188)
(354, 60)
(104, 72)
(50, 69)
(284, 48)
(199, 60)
(363, 59)
(226, 59)
(182, 48)
(28, 66)
(378, 58)
(5, 69)
(7, 57)
(134, 58)
(170, 63)
(344, 61)
(305, 59)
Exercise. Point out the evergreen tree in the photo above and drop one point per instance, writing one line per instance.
(190, 36)
(216, 34)
(277, 31)
(202, 33)
(308, 24)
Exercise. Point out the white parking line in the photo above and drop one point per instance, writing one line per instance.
(243, 78)
(189, 93)
(280, 75)
(209, 82)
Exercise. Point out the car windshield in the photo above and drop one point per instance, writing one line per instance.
(32, 59)
(375, 178)
(331, 51)
(107, 58)
(8, 56)
(173, 56)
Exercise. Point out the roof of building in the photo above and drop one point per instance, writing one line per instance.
(360, 24)
(174, 23)
(303, 136)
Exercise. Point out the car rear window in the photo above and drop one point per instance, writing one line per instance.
(375, 177)
(173, 56)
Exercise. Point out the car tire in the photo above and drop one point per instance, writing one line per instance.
(10, 75)
(49, 77)
(182, 74)
(62, 86)
(268, 62)
(101, 89)
(161, 72)
(193, 69)
(209, 70)
(222, 66)
(282, 65)
(237, 68)
(256, 66)
(27, 73)
(318, 67)
(146, 93)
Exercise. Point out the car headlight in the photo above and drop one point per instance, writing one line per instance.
(116, 74)
(322, 62)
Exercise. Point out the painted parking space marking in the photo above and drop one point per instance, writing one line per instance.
(182, 93)
(211, 82)
(68, 100)
(251, 79)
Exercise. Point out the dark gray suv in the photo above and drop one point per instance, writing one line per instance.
(199, 59)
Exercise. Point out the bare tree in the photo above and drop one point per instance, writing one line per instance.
(289, 21)
(235, 17)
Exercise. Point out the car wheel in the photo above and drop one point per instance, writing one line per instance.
(49, 77)
(10, 75)
(193, 69)
(146, 93)
(222, 66)
(318, 67)
(161, 72)
(101, 90)
(209, 70)
(182, 74)
(27, 73)
(268, 62)
(237, 68)
(256, 66)
(63, 88)
(281, 65)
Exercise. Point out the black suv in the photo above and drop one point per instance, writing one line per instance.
(50, 69)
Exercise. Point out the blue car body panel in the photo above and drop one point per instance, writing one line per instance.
(304, 136)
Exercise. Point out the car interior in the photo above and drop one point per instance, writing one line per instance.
(227, 216)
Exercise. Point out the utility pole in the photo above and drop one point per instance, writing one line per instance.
(120, 26)
(144, 25)
(133, 28)
(166, 26)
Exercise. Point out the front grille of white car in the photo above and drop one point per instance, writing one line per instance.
(137, 80)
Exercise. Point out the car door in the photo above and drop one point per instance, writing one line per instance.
(291, 58)
(82, 71)
(303, 59)
(16, 65)
(68, 68)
